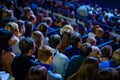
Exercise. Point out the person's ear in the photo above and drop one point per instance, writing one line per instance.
(31, 52)
(50, 59)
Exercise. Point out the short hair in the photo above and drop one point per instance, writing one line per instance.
(48, 20)
(98, 31)
(106, 51)
(75, 38)
(91, 40)
(54, 40)
(116, 56)
(95, 52)
(86, 49)
(38, 37)
(37, 73)
(26, 44)
(44, 52)
(43, 27)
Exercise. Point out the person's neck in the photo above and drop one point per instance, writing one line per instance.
(45, 62)
(103, 59)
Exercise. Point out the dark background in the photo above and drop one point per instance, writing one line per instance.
(106, 3)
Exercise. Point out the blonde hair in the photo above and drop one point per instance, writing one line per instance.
(12, 26)
(67, 28)
(116, 56)
(96, 52)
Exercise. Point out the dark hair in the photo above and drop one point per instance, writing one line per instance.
(44, 52)
(43, 27)
(26, 44)
(107, 74)
(75, 38)
(37, 73)
(54, 40)
(88, 68)
(86, 48)
(5, 35)
(106, 51)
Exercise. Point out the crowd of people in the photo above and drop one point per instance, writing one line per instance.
(39, 45)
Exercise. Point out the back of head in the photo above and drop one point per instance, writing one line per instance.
(12, 26)
(48, 20)
(26, 44)
(106, 74)
(44, 53)
(54, 40)
(116, 56)
(37, 73)
(86, 49)
(43, 27)
(88, 68)
(91, 40)
(96, 52)
(106, 51)
(75, 38)
(38, 37)
(67, 28)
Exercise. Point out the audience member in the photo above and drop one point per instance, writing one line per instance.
(22, 63)
(77, 60)
(88, 68)
(12, 26)
(38, 37)
(43, 27)
(45, 58)
(75, 42)
(6, 54)
(59, 58)
(37, 73)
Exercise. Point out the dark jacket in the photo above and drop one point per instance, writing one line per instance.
(20, 66)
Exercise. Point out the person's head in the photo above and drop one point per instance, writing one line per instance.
(96, 52)
(88, 68)
(106, 51)
(91, 40)
(43, 27)
(28, 28)
(45, 54)
(48, 20)
(37, 73)
(12, 26)
(76, 40)
(67, 28)
(39, 17)
(38, 37)
(99, 32)
(5, 40)
(32, 19)
(27, 46)
(106, 74)
(75, 27)
(27, 11)
(7, 13)
(116, 57)
(86, 49)
(54, 40)
(21, 26)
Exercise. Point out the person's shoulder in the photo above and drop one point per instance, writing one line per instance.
(75, 57)
(54, 76)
